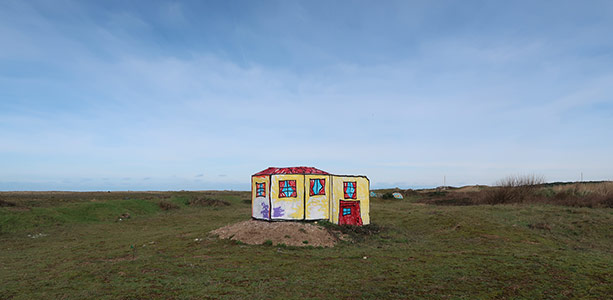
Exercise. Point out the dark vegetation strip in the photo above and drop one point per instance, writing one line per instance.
(515, 190)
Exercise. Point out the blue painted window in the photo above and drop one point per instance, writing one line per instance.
(318, 187)
(346, 211)
(287, 188)
(260, 189)
(349, 189)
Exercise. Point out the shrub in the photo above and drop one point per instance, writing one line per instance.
(205, 201)
(4, 203)
(436, 193)
(513, 189)
(387, 196)
(166, 205)
(409, 192)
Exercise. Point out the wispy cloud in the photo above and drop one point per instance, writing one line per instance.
(92, 90)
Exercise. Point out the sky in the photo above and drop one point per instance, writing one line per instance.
(195, 95)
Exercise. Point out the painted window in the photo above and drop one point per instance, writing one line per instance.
(349, 188)
(346, 211)
(318, 187)
(260, 189)
(287, 188)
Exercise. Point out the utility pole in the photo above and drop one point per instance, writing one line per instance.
(581, 176)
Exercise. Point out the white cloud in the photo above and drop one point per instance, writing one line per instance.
(110, 104)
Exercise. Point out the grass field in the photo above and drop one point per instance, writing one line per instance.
(72, 245)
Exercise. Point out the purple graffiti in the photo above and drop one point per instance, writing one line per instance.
(277, 212)
(264, 211)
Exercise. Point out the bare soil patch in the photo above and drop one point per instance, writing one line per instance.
(257, 232)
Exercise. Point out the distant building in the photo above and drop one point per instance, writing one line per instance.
(305, 193)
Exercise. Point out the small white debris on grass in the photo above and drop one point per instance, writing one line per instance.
(365, 257)
(36, 235)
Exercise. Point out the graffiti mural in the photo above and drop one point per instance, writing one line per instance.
(306, 193)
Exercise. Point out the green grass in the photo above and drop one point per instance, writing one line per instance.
(419, 251)
(89, 212)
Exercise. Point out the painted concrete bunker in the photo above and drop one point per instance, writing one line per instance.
(305, 193)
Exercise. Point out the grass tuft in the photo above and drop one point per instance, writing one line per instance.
(356, 233)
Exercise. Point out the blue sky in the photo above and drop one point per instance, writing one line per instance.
(152, 95)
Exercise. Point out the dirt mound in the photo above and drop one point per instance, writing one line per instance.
(256, 232)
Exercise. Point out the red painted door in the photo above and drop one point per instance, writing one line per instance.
(349, 213)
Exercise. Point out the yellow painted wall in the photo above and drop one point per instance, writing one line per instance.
(317, 207)
(363, 195)
(256, 204)
(292, 207)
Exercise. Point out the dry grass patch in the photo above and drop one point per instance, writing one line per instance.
(205, 201)
(527, 189)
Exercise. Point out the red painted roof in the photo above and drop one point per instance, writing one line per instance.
(291, 170)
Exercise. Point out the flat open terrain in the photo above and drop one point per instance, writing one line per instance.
(74, 245)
